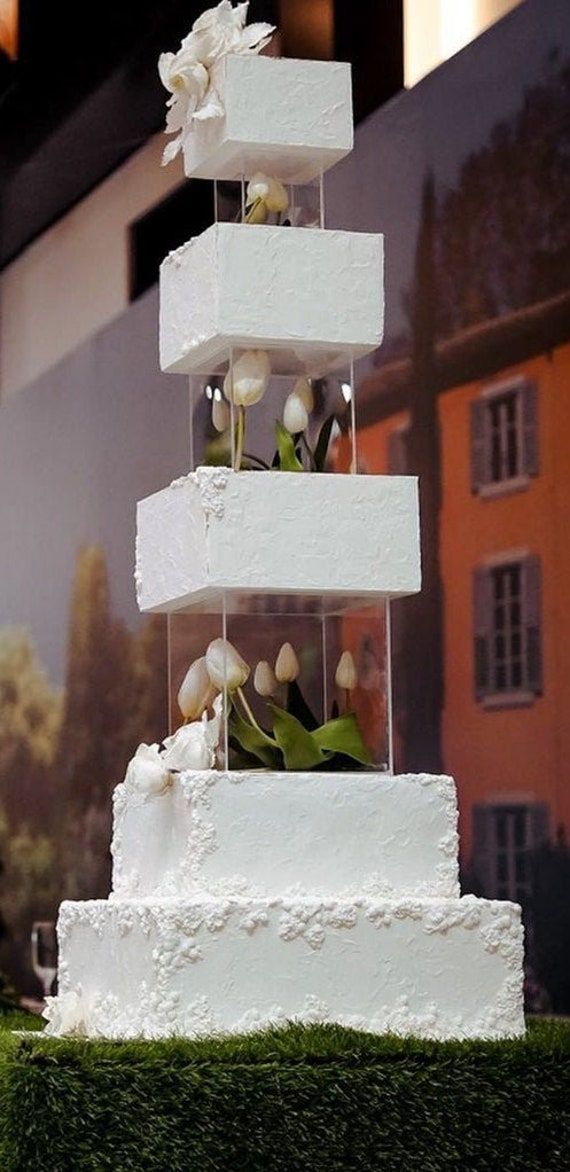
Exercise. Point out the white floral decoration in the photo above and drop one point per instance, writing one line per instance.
(192, 75)
(66, 1014)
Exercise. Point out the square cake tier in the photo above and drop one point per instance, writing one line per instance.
(290, 119)
(313, 298)
(216, 530)
(421, 967)
(267, 832)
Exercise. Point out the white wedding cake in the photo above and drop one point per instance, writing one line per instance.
(306, 884)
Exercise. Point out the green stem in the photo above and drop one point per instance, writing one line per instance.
(250, 715)
(239, 438)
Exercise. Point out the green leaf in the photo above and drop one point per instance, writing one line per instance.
(298, 746)
(321, 450)
(288, 459)
(343, 736)
(254, 741)
(297, 706)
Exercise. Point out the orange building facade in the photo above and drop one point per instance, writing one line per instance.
(504, 530)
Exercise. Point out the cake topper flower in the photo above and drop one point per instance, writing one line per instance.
(192, 76)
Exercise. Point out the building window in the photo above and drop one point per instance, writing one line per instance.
(504, 837)
(507, 642)
(504, 439)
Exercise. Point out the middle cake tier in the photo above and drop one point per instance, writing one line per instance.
(312, 298)
(263, 833)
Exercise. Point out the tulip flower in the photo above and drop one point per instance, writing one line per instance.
(246, 382)
(295, 415)
(264, 680)
(287, 665)
(196, 690)
(226, 668)
(304, 391)
(264, 195)
(220, 412)
(346, 675)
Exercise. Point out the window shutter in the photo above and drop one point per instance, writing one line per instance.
(531, 592)
(540, 831)
(482, 631)
(479, 454)
(483, 862)
(529, 408)
(398, 451)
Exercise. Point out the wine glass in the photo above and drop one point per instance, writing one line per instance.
(44, 953)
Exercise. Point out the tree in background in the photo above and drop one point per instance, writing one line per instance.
(62, 754)
(503, 232)
(30, 723)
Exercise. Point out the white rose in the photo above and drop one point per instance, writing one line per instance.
(194, 745)
(146, 771)
(247, 382)
(180, 73)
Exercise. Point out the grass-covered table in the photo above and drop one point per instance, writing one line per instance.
(311, 1099)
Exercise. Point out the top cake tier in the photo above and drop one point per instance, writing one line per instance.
(290, 119)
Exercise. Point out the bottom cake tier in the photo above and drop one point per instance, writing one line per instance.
(430, 968)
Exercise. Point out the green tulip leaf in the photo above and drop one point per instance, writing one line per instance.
(321, 450)
(288, 459)
(343, 736)
(254, 741)
(300, 750)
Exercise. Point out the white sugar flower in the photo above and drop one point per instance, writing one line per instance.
(264, 680)
(196, 690)
(146, 771)
(287, 665)
(66, 1014)
(190, 75)
(346, 675)
(295, 416)
(194, 745)
(270, 193)
(247, 382)
(226, 666)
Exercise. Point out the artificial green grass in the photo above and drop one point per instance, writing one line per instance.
(312, 1099)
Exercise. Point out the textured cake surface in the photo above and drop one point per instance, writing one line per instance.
(433, 968)
(303, 130)
(220, 290)
(187, 548)
(267, 833)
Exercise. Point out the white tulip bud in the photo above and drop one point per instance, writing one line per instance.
(295, 416)
(196, 690)
(304, 391)
(226, 666)
(264, 680)
(346, 676)
(221, 416)
(269, 191)
(287, 665)
(247, 382)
